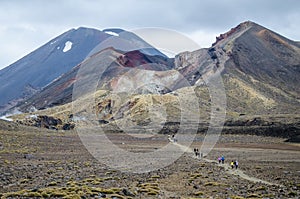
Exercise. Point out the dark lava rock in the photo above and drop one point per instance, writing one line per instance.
(102, 195)
(48, 121)
(295, 139)
(28, 156)
(68, 126)
(126, 192)
(103, 122)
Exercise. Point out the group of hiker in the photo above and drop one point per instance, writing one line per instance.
(221, 159)
(197, 153)
(233, 164)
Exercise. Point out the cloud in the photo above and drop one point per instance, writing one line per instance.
(26, 25)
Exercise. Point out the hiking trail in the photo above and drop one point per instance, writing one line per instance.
(237, 172)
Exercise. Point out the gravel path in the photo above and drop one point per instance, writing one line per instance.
(237, 172)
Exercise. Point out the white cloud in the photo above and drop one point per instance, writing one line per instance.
(203, 38)
(26, 25)
(170, 41)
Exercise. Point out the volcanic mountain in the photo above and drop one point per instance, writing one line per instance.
(259, 68)
(60, 55)
(60, 91)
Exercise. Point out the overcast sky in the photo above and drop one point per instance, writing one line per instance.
(27, 24)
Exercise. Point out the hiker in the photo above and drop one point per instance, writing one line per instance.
(236, 163)
(173, 138)
(195, 152)
(222, 159)
(219, 159)
(232, 164)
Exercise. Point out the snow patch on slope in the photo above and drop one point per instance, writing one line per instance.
(112, 33)
(53, 42)
(68, 46)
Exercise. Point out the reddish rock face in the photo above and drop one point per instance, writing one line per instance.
(234, 30)
(133, 59)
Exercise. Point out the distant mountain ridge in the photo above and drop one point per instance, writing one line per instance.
(254, 61)
(260, 71)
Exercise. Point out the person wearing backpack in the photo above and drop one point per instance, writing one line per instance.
(232, 164)
(236, 163)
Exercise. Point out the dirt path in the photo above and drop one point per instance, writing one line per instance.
(237, 172)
